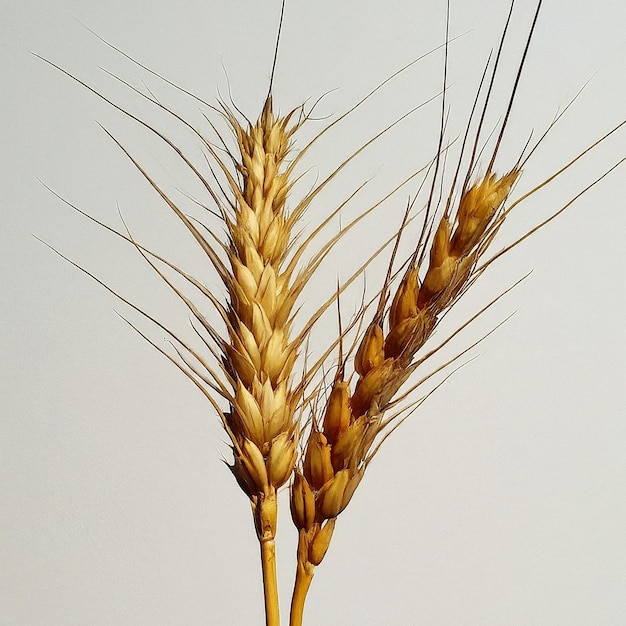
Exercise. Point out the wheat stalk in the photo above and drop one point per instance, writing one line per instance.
(259, 358)
(339, 449)
(443, 266)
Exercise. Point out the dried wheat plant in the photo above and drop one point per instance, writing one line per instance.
(316, 426)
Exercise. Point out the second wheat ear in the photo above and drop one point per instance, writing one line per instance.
(285, 427)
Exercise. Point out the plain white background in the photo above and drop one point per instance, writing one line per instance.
(500, 502)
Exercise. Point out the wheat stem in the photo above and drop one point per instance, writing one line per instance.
(304, 576)
(264, 508)
(270, 586)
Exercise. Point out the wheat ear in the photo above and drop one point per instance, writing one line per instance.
(339, 447)
(442, 267)
(259, 357)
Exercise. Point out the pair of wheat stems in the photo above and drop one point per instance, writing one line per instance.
(250, 367)
(263, 283)
(261, 352)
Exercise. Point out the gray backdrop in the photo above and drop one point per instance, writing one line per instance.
(500, 502)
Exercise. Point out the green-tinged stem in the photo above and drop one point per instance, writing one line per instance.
(304, 576)
(270, 587)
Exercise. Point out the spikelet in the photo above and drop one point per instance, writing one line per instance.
(370, 386)
(338, 412)
(477, 208)
(404, 305)
(317, 466)
(408, 335)
(321, 542)
(302, 503)
(371, 351)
